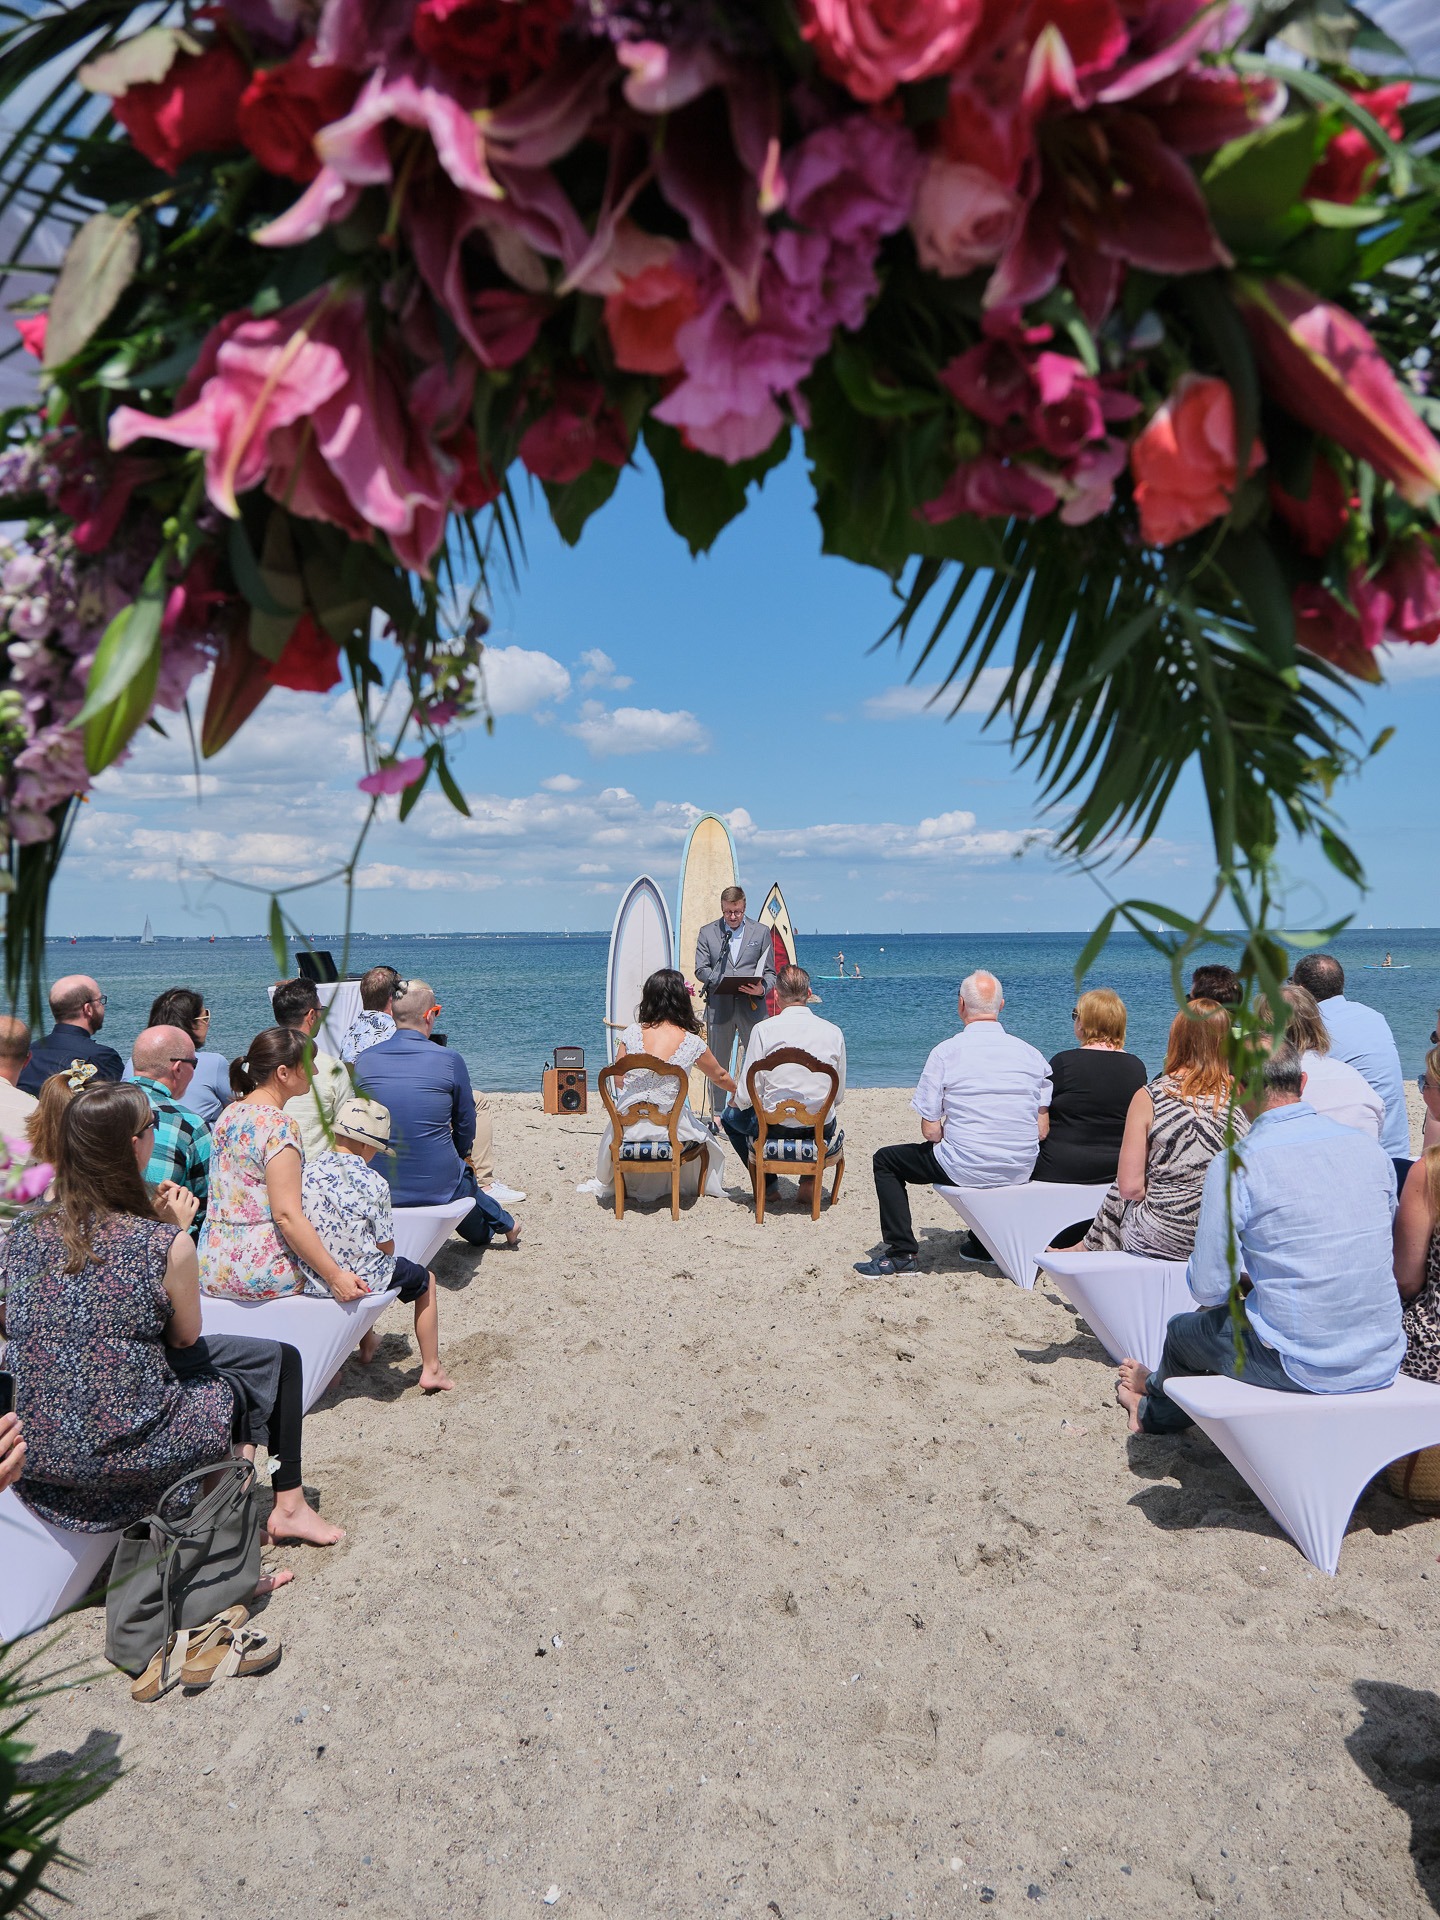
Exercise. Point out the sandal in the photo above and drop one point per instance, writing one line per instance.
(235, 1650)
(166, 1668)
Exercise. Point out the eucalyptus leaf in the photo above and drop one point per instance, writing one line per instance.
(99, 265)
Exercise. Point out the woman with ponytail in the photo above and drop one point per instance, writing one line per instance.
(255, 1225)
(119, 1392)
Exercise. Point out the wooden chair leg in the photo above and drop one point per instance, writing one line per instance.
(758, 1178)
(835, 1188)
(815, 1186)
(675, 1165)
(619, 1192)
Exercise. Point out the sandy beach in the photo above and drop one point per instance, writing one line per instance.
(730, 1583)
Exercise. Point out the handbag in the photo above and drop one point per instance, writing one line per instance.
(180, 1566)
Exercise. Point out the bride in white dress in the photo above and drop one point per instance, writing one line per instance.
(667, 1029)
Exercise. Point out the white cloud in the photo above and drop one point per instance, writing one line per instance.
(932, 699)
(1403, 662)
(381, 876)
(518, 680)
(637, 730)
(600, 671)
(562, 783)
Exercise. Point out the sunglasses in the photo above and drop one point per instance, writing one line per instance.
(150, 1125)
(183, 1060)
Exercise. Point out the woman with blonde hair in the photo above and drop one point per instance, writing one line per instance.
(1092, 1085)
(1332, 1087)
(1173, 1130)
(1417, 1243)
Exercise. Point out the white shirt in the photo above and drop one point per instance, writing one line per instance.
(15, 1109)
(988, 1087)
(736, 937)
(1341, 1092)
(793, 1027)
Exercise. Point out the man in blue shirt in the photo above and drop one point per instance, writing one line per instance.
(432, 1117)
(1361, 1035)
(1313, 1204)
(79, 1009)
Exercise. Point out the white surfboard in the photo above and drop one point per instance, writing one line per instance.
(641, 940)
(707, 866)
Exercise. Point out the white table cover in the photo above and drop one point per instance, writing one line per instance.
(1126, 1301)
(1309, 1456)
(1018, 1223)
(43, 1569)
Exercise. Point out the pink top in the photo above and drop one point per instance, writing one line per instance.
(243, 1254)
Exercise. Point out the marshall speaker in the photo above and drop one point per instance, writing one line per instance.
(563, 1082)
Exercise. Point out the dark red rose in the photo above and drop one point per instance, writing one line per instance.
(311, 660)
(284, 107)
(1349, 162)
(192, 110)
(477, 485)
(508, 42)
(1318, 520)
(580, 428)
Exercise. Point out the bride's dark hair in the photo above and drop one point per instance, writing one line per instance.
(666, 998)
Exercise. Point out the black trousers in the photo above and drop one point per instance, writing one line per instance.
(895, 1169)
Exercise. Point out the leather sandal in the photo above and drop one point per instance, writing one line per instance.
(235, 1650)
(184, 1645)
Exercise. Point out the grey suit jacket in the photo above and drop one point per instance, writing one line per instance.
(712, 955)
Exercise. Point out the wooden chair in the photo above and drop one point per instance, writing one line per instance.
(635, 1153)
(767, 1156)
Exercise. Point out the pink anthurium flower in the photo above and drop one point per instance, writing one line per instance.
(1322, 366)
(392, 776)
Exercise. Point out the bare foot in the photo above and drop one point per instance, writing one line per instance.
(268, 1582)
(435, 1380)
(302, 1522)
(512, 1238)
(368, 1348)
(1134, 1375)
(1130, 1387)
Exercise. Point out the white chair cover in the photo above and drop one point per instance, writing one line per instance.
(420, 1232)
(1126, 1301)
(1309, 1456)
(46, 1569)
(1018, 1223)
(324, 1331)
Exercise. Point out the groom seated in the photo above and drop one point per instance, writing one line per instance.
(793, 1026)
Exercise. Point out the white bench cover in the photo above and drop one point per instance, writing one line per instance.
(1126, 1301)
(1309, 1456)
(45, 1569)
(1018, 1223)
(420, 1232)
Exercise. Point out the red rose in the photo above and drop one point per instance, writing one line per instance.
(477, 485)
(645, 315)
(192, 110)
(284, 107)
(1344, 170)
(508, 42)
(31, 329)
(310, 662)
(1318, 520)
(579, 429)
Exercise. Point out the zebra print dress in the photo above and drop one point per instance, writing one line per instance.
(1184, 1139)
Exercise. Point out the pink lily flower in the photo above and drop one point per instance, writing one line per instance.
(1322, 366)
(1411, 579)
(392, 776)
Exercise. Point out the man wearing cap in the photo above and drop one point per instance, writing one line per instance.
(432, 1116)
(347, 1201)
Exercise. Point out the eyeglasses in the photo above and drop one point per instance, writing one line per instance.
(1074, 1013)
(1426, 1084)
(98, 1000)
(150, 1125)
(183, 1060)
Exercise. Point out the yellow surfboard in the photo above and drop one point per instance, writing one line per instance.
(707, 867)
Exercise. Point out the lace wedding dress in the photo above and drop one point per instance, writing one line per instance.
(648, 1179)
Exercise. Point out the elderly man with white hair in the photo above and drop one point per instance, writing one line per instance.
(979, 1102)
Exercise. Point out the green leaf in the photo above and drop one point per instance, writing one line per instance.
(279, 946)
(1207, 303)
(109, 729)
(868, 392)
(1249, 562)
(99, 265)
(248, 577)
(572, 505)
(1255, 185)
(1095, 945)
(448, 785)
(416, 787)
(702, 494)
(127, 645)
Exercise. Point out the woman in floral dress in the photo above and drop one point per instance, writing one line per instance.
(1417, 1244)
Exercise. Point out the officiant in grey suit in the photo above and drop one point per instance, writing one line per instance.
(734, 947)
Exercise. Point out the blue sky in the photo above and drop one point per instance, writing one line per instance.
(634, 687)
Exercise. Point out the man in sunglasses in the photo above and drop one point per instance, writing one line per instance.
(78, 1006)
(164, 1067)
(432, 1118)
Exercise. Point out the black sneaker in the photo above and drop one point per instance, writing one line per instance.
(882, 1267)
(972, 1247)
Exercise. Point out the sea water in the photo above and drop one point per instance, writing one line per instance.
(509, 998)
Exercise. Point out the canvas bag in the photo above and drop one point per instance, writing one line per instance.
(179, 1568)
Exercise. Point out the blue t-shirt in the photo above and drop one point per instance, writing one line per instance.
(432, 1115)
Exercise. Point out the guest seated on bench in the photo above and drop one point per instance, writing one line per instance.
(1091, 1087)
(1312, 1208)
(1173, 1130)
(255, 1232)
(1417, 1244)
(12, 1450)
(348, 1204)
(1332, 1086)
(119, 1393)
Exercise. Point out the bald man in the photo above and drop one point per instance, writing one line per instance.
(15, 1107)
(78, 1007)
(164, 1067)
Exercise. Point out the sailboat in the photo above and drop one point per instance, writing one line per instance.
(147, 938)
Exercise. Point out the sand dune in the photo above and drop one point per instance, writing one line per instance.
(729, 1583)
